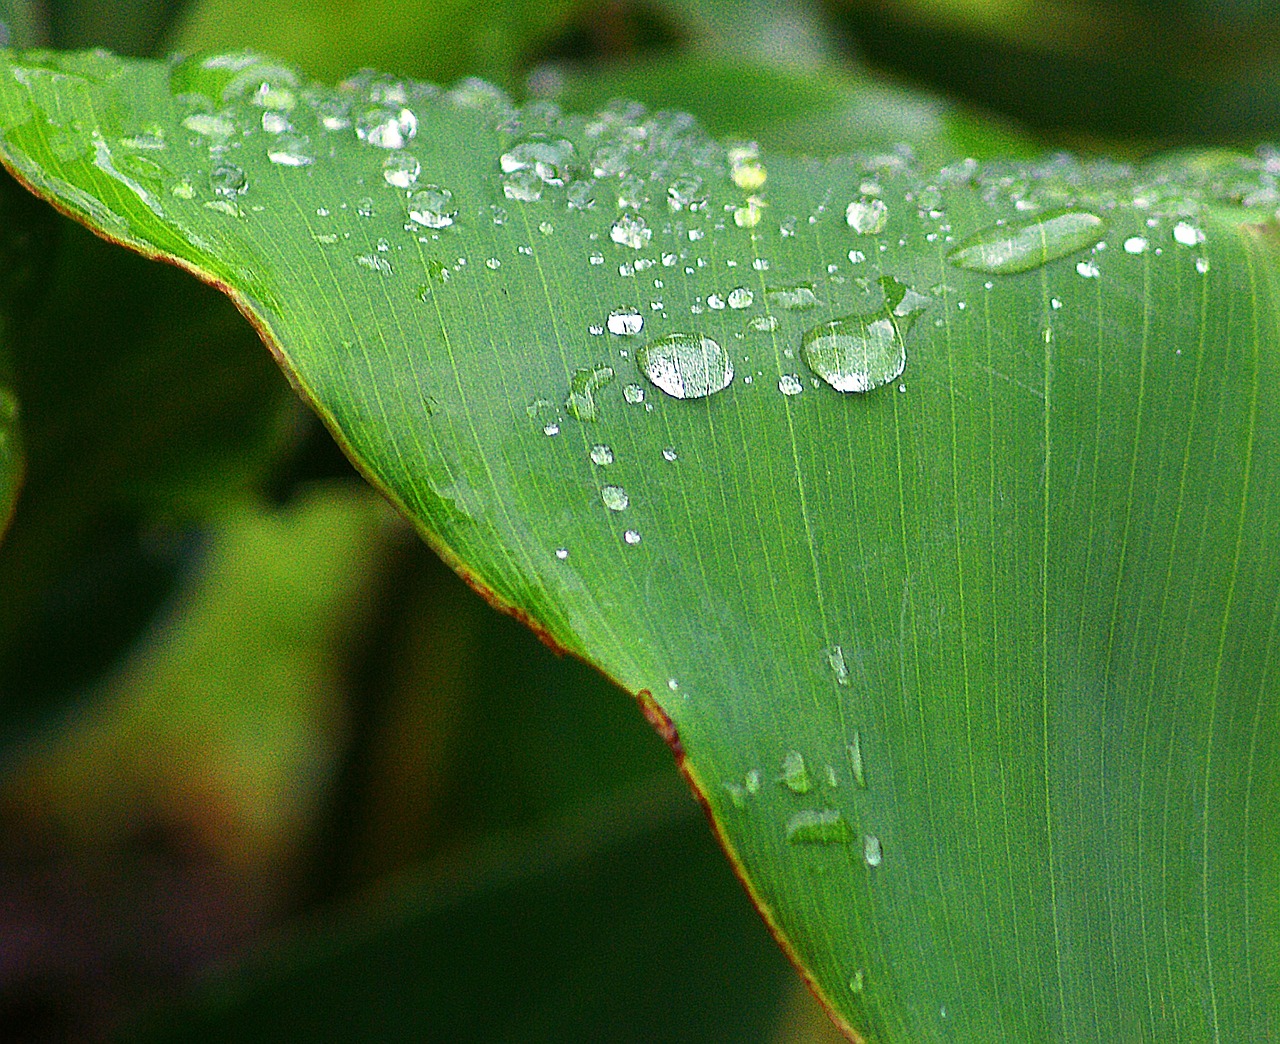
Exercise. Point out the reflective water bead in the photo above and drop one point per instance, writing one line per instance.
(867, 217)
(1135, 245)
(401, 169)
(429, 207)
(228, 180)
(631, 231)
(1186, 234)
(1023, 245)
(290, 150)
(601, 454)
(686, 365)
(551, 161)
(669, 453)
(795, 774)
(615, 498)
(631, 537)
(386, 128)
(740, 297)
(872, 851)
(789, 384)
(625, 323)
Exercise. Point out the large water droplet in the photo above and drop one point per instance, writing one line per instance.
(1186, 234)
(1023, 245)
(524, 186)
(631, 231)
(583, 386)
(552, 161)
(740, 297)
(615, 498)
(867, 217)
(386, 128)
(401, 169)
(601, 455)
(862, 352)
(686, 365)
(625, 323)
(429, 206)
(795, 774)
(813, 826)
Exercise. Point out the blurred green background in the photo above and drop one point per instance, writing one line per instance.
(267, 769)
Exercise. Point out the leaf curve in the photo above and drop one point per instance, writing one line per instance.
(972, 670)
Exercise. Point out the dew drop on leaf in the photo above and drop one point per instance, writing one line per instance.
(625, 323)
(1186, 234)
(601, 454)
(796, 298)
(740, 297)
(228, 180)
(872, 851)
(686, 365)
(1020, 246)
(789, 384)
(631, 231)
(429, 207)
(855, 759)
(551, 161)
(631, 537)
(615, 498)
(583, 385)
(812, 826)
(290, 150)
(633, 393)
(401, 169)
(795, 774)
(867, 217)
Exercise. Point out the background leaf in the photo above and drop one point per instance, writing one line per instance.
(1016, 598)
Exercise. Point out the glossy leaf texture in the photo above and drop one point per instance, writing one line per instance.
(974, 668)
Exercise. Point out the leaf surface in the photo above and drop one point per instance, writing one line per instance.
(974, 669)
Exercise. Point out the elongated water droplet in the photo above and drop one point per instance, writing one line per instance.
(601, 454)
(686, 365)
(631, 231)
(430, 207)
(835, 660)
(1023, 245)
(795, 298)
(812, 826)
(855, 760)
(872, 851)
(583, 386)
(615, 498)
(625, 323)
(764, 323)
(206, 125)
(862, 352)
(867, 217)
(795, 774)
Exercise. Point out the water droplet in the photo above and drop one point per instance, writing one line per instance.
(386, 128)
(794, 298)
(872, 851)
(741, 297)
(715, 301)
(631, 537)
(795, 774)
(813, 826)
(583, 386)
(858, 982)
(578, 195)
(493, 264)
(631, 231)
(551, 161)
(633, 393)
(615, 498)
(855, 760)
(523, 186)
(669, 453)
(1202, 265)
(290, 150)
(364, 207)
(551, 428)
(862, 352)
(233, 76)
(1087, 269)
(789, 384)
(686, 365)
(546, 228)
(747, 216)
(1135, 245)
(429, 207)
(184, 189)
(1187, 234)
(275, 122)
(867, 217)
(401, 169)
(683, 192)
(601, 454)
(1020, 246)
(625, 323)
(835, 660)
(562, 553)
(228, 180)
(210, 126)
(764, 323)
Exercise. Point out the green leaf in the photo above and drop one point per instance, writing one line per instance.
(975, 668)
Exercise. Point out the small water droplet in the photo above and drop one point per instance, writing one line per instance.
(872, 851)
(867, 217)
(1202, 265)
(835, 660)
(669, 453)
(764, 323)
(553, 161)
(493, 264)
(401, 169)
(686, 365)
(583, 385)
(855, 760)
(429, 207)
(386, 128)
(631, 537)
(740, 297)
(562, 553)
(633, 393)
(858, 982)
(625, 323)
(615, 498)
(715, 301)
(1187, 234)
(862, 352)
(1087, 269)
(631, 231)
(683, 192)
(290, 150)
(1135, 245)
(1020, 246)
(789, 384)
(812, 826)
(601, 454)
(795, 774)
(228, 180)
(794, 298)
(546, 228)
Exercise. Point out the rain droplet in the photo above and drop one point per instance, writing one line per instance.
(625, 323)
(686, 365)
(1020, 246)
(631, 231)
(401, 169)
(1187, 234)
(741, 297)
(683, 192)
(867, 217)
(669, 453)
(795, 775)
(835, 660)
(789, 384)
(523, 186)
(615, 498)
(715, 301)
(813, 826)
(562, 553)
(1135, 245)
(429, 207)
(872, 851)
(583, 386)
(631, 537)
(633, 393)
(290, 150)
(855, 760)
(601, 454)
(764, 323)
(794, 298)
(1202, 265)
(228, 180)
(1087, 269)
(551, 161)
(386, 128)
(862, 352)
